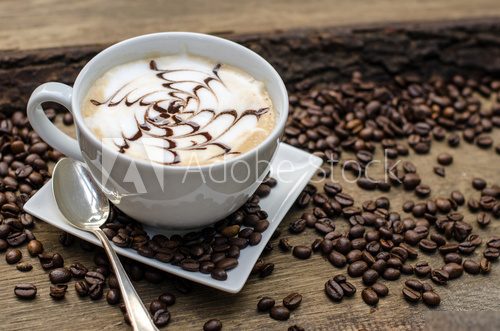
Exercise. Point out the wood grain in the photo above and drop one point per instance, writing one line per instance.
(477, 295)
(53, 23)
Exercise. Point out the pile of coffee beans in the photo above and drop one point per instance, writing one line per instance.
(280, 312)
(214, 250)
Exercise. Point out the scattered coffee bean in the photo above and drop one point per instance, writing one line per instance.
(411, 295)
(26, 291)
(265, 304)
(81, 288)
(369, 296)
(24, 266)
(13, 256)
(333, 290)
(35, 247)
(213, 324)
(471, 267)
(380, 289)
(58, 292)
(60, 275)
(279, 313)
(431, 298)
(445, 159)
(113, 296)
(292, 301)
(302, 252)
(161, 317)
(478, 183)
(454, 270)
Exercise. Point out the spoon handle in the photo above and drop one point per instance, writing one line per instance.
(137, 312)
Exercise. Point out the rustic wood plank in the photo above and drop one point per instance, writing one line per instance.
(309, 61)
(52, 23)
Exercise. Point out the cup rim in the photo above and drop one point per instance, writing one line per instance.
(275, 133)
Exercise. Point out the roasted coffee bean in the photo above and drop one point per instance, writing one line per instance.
(333, 290)
(448, 248)
(35, 247)
(51, 260)
(292, 301)
(284, 245)
(265, 304)
(440, 171)
(454, 270)
(113, 296)
(348, 288)
(431, 298)
(493, 242)
(219, 274)
(60, 275)
(445, 159)
(26, 291)
(338, 260)
(415, 284)
(411, 295)
(485, 265)
(266, 270)
(453, 257)
(370, 276)
(353, 256)
(156, 305)
(95, 291)
(302, 252)
(491, 253)
(161, 317)
(81, 288)
(94, 277)
(212, 325)
(458, 197)
(13, 256)
(380, 289)
(24, 266)
(167, 298)
(427, 245)
(279, 313)
(297, 226)
(391, 274)
(440, 276)
(16, 238)
(422, 269)
(78, 270)
(471, 267)
(227, 263)
(478, 183)
(369, 296)
(357, 268)
(58, 292)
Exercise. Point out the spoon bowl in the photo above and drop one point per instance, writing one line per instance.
(84, 206)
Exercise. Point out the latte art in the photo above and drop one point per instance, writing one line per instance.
(179, 110)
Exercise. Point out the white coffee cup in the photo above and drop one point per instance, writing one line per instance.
(180, 197)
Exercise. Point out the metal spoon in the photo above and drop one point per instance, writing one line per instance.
(87, 208)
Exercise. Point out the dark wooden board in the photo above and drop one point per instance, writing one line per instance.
(302, 57)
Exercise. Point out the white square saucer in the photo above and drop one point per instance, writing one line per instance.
(291, 166)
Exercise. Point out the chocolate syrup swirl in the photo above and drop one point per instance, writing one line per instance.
(172, 112)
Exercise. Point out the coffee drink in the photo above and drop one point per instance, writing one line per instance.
(179, 110)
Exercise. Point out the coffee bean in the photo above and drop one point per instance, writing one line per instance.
(167, 298)
(411, 295)
(161, 317)
(279, 313)
(440, 171)
(380, 289)
(369, 296)
(219, 274)
(265, 304)
(491, 253)
(333, 290)
(26, 291)
(370, 276)
(78, 270)
(348, 288)
(445, 159)
(13, 256)
(297, 226)
(266, 270)
(292, 301)
(440, 276)
(81, 288)
(454, 270)
(302, 252)
(60, 275)
(431, 298)
(58, 292)
(212, 325)
(471, 267)
(94, 277)
(391, 274)
(156, 305)
(51, 260)
(478, 183)
(95, 291)
(357, 268)
(453, 257)
(427, 245)
(485, 265)
(113, 296)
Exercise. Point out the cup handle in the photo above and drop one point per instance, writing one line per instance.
(61, 94)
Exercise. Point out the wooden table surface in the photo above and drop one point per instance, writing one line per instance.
(32, 24)
(472, 302)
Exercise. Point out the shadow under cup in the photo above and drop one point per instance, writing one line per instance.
(179, 197)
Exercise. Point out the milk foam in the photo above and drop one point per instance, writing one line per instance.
(179, 110)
